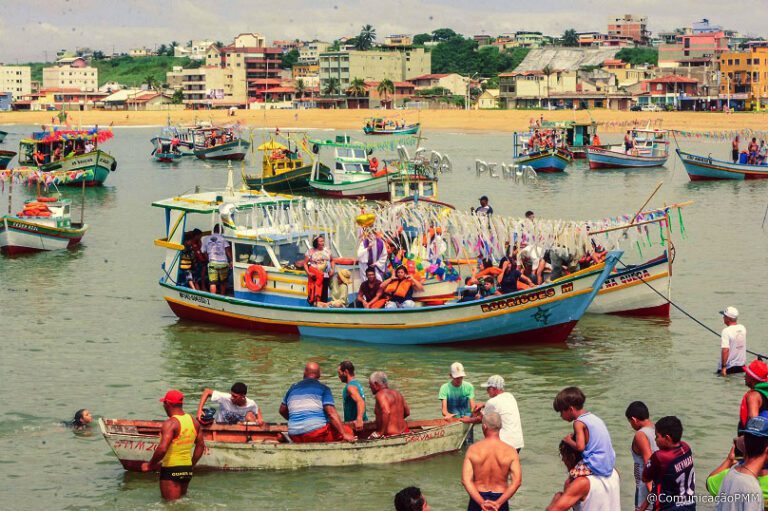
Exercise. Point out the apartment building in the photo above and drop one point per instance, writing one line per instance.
(71, 73)
(744, 76)
(375, 65)
(15, 80)
(630, 25)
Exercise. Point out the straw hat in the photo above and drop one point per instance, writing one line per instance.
(345, 276)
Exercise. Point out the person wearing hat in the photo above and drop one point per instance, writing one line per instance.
(181, 447)
(457, 397)
(505, 404)
(234, 406)
(742, 487)
(484, 209)
(733, 346)
(338, 290)
(755, 400)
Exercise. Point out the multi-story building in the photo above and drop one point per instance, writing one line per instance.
(310, 52)
(16, 80)
(71, 73)
(530, 39)
(630, 25)
(483, 39)
(453, 82)
(670, 90)
(744, 76)
(396, 65)
(598, 40)
(286, 45)
(249, 40)
(627, 74)
(141, 52)
(398, 40)
(691, 47)
(195, 51)
(202, 85)
(175, 77)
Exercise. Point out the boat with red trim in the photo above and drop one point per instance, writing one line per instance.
(44, 224)
(706, 168)
(650, 149)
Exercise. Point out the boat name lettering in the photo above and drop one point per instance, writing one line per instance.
(423, 437)
(28, 227)
(195, 298)
(566, 288)
(626, 279)
(698, 158)
(135, 445)
(518, 300)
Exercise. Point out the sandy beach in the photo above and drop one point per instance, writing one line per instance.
(449, 120)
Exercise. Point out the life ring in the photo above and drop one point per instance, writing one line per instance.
(261, 273)
(47, 199)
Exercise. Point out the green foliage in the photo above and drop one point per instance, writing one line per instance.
(434, 91)
(420, 39)
(289, 58)
(135, 71)
(570, 38)
(443, 34)
(332, 87)
(301, 89)
(638, 56)
(178, 97)
(366, 38)
(460, 55)
(357, 88)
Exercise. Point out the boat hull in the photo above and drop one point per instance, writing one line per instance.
(291, 181)
(605, 159)
(625, 292)
(19, 236)
(408, 130)
(231, 151)
(544, 314)
(167, 157)
(97, 165)
(184, 147)
(430, 439)
(374, 188)
(547, 162)
(5, 158)
(704, 168)
(3, 134)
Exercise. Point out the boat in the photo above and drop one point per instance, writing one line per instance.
(75, 152)
(284, 169)
(5, 158)
(250, 447)
(578, 136)
(219, 143)
(625, 292)
(166, 151)
(381, 126)
(706, 168)
(44, 224)
(182, 138)
(650, 151)
(3, 134)
(416, 177)
(351, 173)
(546, 159)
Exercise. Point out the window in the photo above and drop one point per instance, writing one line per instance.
(252, 254)
(289, 253)
(749, 62)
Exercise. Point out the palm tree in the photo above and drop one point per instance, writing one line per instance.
(300, 88)
(366, 38)
(385, 89)
(150, 81)
(547, 70)
(357, 88)
(331, 87)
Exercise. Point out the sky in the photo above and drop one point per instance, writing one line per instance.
(30, 28)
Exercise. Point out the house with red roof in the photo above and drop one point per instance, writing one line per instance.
(667, 90)
(453, 82)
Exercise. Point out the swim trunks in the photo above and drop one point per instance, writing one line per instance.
(178, 474)
(487, 495)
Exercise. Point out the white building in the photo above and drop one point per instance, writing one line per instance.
(250, 40)
(195, 51)
(16, 79)
(77, 75)
(310, 52)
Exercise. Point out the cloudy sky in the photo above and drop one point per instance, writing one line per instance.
(29, 28)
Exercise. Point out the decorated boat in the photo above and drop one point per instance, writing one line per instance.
(352, 173)
(44, 224)
(75, 152)
(416, 177)
(284, 167)
(3, 134)
(250, 447)
(578, 136)
(5, 158)
(219, 143)
(626, 291)
(706, 168)
(381, 126)
(541, 157)
(650, 150)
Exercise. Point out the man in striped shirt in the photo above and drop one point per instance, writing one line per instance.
(311, 412)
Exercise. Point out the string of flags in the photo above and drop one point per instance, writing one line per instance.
(31, 176)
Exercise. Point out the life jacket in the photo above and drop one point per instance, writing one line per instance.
(398, 288)
(186, 261)
(762, 389)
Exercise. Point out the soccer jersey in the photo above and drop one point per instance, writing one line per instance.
(674, 479)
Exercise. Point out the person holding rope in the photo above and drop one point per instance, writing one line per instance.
(733, 346)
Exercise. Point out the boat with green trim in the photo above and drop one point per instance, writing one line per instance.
(283, 167)
(5, 158)
(72, 152)
(381, 126)
(352, 173)
(44, 224)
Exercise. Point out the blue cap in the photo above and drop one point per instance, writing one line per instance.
(756, 426)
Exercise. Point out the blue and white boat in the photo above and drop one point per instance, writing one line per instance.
(547, 160)
(706, 168)
(650, 150)
(276, 300)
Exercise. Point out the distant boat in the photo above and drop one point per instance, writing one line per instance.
(578, 136)
(650, 150)
(541, 159)
(3, 134)
(181, 137)
(351, 173)
(219, 143)
(381, 126)
(5, 158)
(283, 169)
(706, 168)
(166, 151)
(44, 224)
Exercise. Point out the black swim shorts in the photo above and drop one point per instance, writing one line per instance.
(179, 474)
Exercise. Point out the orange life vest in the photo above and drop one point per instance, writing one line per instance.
(398, 288)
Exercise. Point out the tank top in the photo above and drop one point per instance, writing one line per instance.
(604, 494)
(180, 451)
(598, 454)
(350, 407)
(639, 464)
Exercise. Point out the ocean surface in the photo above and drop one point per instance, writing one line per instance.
(88, 328)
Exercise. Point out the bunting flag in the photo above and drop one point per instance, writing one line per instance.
(390, 143)
(32, 176)
(58, 135)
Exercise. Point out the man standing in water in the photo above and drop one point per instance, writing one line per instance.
(733, 345)
(174, 454)
(491, 473)
(391, 409)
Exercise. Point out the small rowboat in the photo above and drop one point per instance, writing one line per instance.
(706, 168)
(41, 226)
(650, 150)
(5, 158)
(385, 127)
(248, 447)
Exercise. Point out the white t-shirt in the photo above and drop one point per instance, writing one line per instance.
(604, 494)
(505, 405)
(228, 411)
(531, 253)
(734, 337)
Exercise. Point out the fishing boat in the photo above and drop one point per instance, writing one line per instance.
(75, 152)
(5, 158)
(44, 224)
(219, 143)
(637, 290)
(250, 447)
(706, 168)
(541, 159)
(166, 151)
(650, 150)
(578, 136)
(284, 169)
(416, 177)
(381, 126)
(3, 134)
(352, 173)
(181, 138)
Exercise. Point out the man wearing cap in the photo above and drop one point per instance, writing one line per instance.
(180, 448)
(234, 406)
(484, 209)
(457, 396)
(505, 404)
(755, 400)
(733, 353)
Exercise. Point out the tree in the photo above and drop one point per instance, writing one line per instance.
(420, 39)
(547, 70)
(150, 81)
(172, 48)
(357, 88)
(570, 38)
(98, 55)
(443, 34)
(331, 87)
(178, 97)
(290, 58)
(301, 89)
(456, 55)
(638, 56)
(161, 50)
(385, 89)
(366, 38)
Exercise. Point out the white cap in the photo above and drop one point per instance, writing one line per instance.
(730, 312)
(457, 370)
(495, 381)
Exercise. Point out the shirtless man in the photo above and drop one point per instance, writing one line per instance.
(491, 473)
(391, 408)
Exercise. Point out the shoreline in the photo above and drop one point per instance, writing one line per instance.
(472, 121)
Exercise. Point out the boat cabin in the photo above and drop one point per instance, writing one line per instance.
(46, 147)
(575, 133)
(650, 142)
(207, 137)
(278, 158)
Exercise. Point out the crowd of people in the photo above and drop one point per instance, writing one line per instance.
(756, 153)
(61, 149)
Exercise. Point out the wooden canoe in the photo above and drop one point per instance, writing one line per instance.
(248, 447)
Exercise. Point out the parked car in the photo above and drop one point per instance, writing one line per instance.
(635, 108)
(651, 107)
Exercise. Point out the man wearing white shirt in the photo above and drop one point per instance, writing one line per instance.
(733, 345)
(505, 404)
(234, 407)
